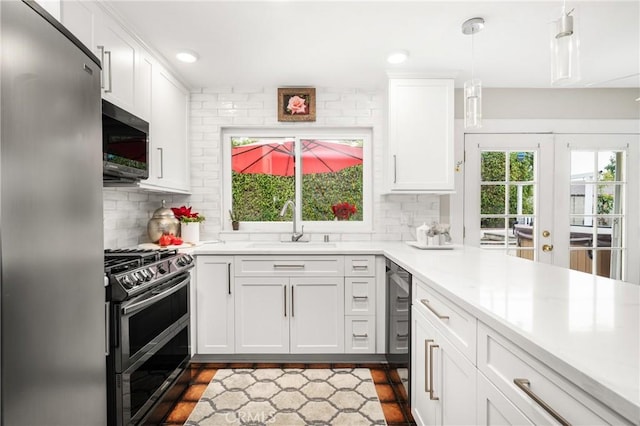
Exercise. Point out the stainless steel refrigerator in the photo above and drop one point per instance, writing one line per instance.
(51, 233)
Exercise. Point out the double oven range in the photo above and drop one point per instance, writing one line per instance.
(147, 301)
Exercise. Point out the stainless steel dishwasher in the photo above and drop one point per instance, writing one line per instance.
(398, 311)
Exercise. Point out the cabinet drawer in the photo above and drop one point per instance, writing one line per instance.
(504, 364)
(289, 266)
(360, 296)
(360, 334)
(454, 322)
(359, 266)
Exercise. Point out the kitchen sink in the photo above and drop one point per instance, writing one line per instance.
(290, 244)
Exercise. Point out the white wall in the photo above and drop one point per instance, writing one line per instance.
(394, 216)
(127, 211)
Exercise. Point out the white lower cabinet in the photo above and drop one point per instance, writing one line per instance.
(316, 324)
(495, 409)
(262, 317)
(214, 305)
(443, 379)
(360, 334)
(536, 390)
(289, 315)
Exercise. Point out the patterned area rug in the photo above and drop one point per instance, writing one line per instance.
(289, 397)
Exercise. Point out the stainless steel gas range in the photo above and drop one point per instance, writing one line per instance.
(147, 298)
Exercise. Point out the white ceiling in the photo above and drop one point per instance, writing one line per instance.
(345, 43)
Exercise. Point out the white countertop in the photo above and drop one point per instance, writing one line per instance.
(585, 327)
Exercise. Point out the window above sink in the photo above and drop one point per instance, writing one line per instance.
(327, 173)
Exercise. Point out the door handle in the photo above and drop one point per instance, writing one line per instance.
(108, 53)
(431, 391)
(547, 248)
(285, 301)
(161, 150)
(525, 386)
(292, 307)
(426, 365)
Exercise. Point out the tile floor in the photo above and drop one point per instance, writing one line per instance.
(388, 386)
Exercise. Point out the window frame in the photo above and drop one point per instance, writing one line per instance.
(366, 134)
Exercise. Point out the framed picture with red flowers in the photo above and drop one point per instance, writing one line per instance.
(297, 104)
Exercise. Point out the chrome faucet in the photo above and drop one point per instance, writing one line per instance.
(295, 236)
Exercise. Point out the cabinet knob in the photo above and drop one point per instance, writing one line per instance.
(547, 248)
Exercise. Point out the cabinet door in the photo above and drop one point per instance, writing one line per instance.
(261, 315)
(444, 391)
(168, 145)
(420, 143)
(144, 70)
(214, 305)
(494, 409)
(117, 51)
(317, 315)
(422, 336)
(454, 384)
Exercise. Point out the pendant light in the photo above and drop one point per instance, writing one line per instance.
(473, 87)
(565, 68)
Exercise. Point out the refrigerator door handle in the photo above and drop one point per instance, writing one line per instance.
(107, 328)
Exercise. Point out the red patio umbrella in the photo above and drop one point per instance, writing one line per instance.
(276, 158)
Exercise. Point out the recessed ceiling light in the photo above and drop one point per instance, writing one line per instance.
(397, 57)
(187, 56)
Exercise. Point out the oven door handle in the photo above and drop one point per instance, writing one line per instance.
(136, 307)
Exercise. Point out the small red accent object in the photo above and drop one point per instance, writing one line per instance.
(165, 240)
(343, 211)
(183, 211)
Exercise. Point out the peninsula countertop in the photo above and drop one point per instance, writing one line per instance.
(585, 327)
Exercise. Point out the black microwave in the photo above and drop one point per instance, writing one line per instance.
(125, 145)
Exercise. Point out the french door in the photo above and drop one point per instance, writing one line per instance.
(569, 200)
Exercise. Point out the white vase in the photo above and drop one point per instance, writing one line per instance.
(190, 232)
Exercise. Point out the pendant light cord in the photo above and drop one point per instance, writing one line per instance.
(472, 54)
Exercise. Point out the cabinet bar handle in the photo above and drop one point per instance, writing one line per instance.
(402, 336)
(524, 384)
(402, 299)
(431, 397)
(285, 301)
(101, 49)
(359, 267)
(425, 302)
(360, 297)
(394, 169)
(289, 266)
(161, 163)
(292, 311)
(229, 277)
(426, 365)
(360, 336)
(108, 53)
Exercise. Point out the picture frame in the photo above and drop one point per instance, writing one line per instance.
(297, 104)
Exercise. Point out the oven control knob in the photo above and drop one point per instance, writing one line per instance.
(150, 273)
(161, 269)
(143, 275)
(188, 258)
(181, 261)
(127, 281)
(135, 278)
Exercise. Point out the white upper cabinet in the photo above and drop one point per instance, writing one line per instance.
(135, 81)
(109, 41)
(168, 142)
(420, 143)
(117, 51)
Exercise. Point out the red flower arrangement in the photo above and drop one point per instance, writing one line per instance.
(343, 211)
(184, 214)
